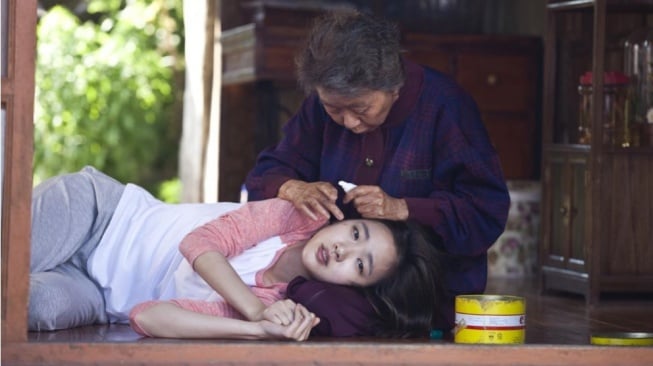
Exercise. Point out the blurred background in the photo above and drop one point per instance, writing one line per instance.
(180, 96)
(109, 87)
(112, 78)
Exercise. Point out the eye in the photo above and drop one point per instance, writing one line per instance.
(332, 110)
(355, 233)
(360, 265)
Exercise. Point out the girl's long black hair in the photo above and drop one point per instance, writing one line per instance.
(408, 300)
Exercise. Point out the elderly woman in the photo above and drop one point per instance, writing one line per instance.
(408, 136)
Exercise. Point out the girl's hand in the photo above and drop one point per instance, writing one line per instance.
(313, 199)
(281, 312)
(299, 329)
(373, 203)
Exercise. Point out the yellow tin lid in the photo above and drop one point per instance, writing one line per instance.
(622, 339)
(490, 304)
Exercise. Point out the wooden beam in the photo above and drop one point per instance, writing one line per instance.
(159, 352)
(17, 168)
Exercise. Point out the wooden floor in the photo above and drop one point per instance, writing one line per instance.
(553, 318)
(563, 318)
(558, 328)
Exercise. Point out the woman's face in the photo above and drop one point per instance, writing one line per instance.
(351, 252)
(359, 114)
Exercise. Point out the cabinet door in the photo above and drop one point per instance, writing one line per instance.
(564, 245)
(556, 240)
(577, 167)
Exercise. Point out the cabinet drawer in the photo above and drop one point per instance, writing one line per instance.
(498, 82)
(513, 136)
(433, 58)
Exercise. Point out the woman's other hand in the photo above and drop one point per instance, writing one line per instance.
(313, 199)
(373, 203)
(299, 329)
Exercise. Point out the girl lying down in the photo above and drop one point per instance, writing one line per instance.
(104, 252)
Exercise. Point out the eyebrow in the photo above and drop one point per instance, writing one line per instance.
(370, 259)
(352, 106)
(367, 231)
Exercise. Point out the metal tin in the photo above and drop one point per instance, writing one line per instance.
(622, 339)
(490, 319)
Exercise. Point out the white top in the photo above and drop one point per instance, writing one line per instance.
(138, 258)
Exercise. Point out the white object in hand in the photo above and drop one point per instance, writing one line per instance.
(346, 185)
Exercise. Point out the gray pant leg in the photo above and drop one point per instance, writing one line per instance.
(64, 298)
(69, 216)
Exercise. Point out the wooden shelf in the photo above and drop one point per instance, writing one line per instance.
(556, 5)
(648, 150)
(612, 5)
(569, 148)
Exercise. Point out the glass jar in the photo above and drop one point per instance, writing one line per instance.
(615, 128)
(638, 65)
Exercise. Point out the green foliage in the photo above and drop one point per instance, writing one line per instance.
(169, 190)
(104, 92)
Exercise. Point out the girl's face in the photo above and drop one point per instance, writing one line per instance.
(359, 114)
(351, 252)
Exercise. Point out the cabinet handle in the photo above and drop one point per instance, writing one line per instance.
(492, 79)
(563, 211)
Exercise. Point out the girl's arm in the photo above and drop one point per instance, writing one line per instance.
(214, 268)
(168, 320)
(207, 247)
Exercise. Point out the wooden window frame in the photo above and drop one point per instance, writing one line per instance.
(18, 101)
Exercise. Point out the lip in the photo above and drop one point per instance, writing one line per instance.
(322, 255)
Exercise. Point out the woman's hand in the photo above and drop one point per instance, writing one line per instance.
(169, 320)
(313, 199)
(373, 203)
(298, 329)
(281, 312)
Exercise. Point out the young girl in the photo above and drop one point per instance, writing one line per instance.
(102, 250)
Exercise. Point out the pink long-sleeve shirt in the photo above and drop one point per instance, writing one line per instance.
(245, 229)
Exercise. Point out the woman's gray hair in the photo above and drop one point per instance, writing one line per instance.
(348, 53)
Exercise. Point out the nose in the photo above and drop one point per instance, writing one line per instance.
(350, 121)
(339, 252)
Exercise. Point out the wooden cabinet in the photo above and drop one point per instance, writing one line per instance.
(597, 198)
(502, 73)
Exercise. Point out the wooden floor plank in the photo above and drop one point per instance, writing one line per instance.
(316, 353)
